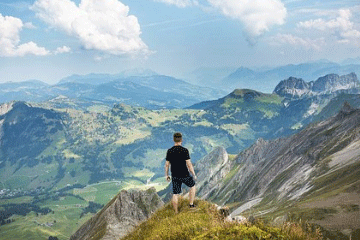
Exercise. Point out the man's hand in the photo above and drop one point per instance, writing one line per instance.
(167, 178)
(194, 177)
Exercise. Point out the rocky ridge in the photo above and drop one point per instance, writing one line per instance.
(120, 215)
(297, 87)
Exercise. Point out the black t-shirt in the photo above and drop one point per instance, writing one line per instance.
(177, 156)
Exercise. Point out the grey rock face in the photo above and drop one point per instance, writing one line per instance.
(120, 215)
(292, 87)
(211, 170)
(297, 87)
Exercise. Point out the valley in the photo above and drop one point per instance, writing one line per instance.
(69, 157)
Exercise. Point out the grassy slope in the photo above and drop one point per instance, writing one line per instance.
(206, 223)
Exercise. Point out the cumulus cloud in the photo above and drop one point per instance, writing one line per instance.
(63, 49)
(180, 3)
(99, 25)
(257, 15)
(296, 41)
(10, 28)
(342, 26)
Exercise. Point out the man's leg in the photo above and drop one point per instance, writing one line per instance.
(192, 195)
(175, 202)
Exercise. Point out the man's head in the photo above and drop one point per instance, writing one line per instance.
(177, 137)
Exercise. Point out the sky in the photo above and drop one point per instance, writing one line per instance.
(51, 39)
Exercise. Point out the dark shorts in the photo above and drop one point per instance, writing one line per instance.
(177, 182)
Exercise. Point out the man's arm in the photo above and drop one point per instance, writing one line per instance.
(190, 167)
(167, 164)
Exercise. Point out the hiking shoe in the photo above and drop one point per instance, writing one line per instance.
(192, 206)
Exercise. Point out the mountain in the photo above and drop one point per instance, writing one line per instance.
(66, 159)
(209, 76)
(119, 217)
(32, 90)
(101, 78)
(331, 83)
(146, 89)
(266, 80)
(117, 142)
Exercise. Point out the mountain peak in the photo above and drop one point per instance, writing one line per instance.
(245, 93)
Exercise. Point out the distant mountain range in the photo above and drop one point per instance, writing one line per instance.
(150, 91)
(265, 80)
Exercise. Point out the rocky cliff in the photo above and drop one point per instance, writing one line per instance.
(297, 87)
(120, 215)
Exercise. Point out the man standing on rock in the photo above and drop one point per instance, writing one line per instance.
(179, 159)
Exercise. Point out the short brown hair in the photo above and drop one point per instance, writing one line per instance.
(177, 137)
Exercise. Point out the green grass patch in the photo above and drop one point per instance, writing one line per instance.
(100, 193)
(206, 223)
(230, 174)
(18, 182)
(18, 200)
(335, 182)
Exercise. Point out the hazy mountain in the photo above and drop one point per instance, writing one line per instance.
(32, 90)
(146, 89)
(100, 78)
(208, 76)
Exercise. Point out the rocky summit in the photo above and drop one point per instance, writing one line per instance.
(297, 87)
(120, 215)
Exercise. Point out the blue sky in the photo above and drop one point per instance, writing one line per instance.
(51, 39)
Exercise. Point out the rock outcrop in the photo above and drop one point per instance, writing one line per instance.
(120, 215)
(211, 170)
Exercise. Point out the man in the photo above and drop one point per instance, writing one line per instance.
(179, 159)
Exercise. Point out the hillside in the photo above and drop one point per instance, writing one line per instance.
(207, 222)
(311, 175)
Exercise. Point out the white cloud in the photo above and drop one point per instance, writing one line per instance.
(63, 49)
(257, 15)
(180, 3)
(341, 26)
(29, 25)
(99, 25)
(296, 41)
(10, 46)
